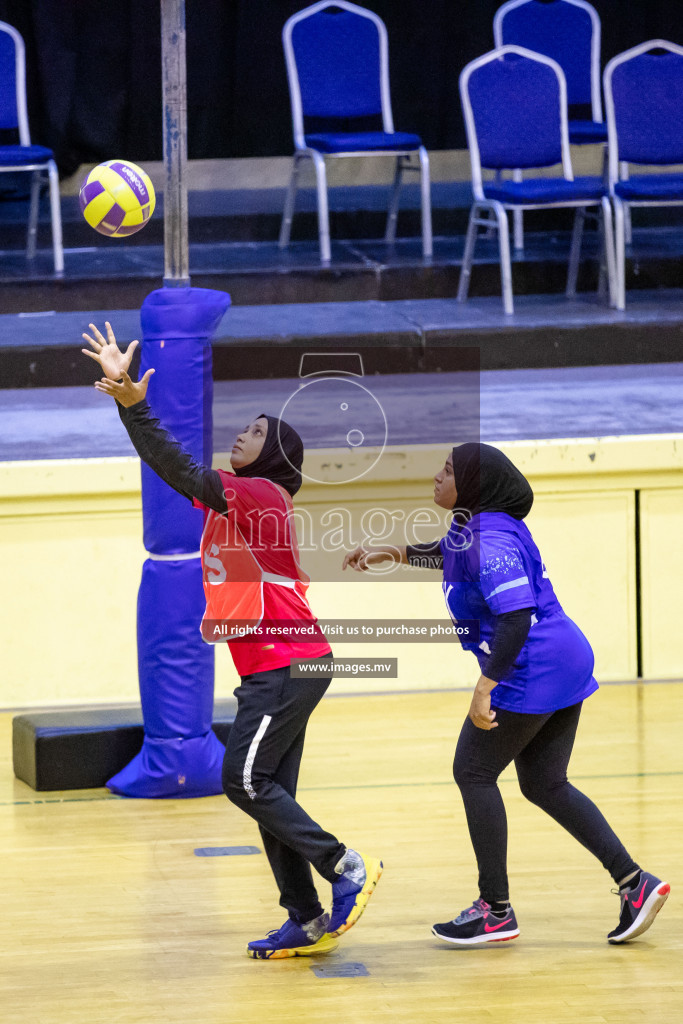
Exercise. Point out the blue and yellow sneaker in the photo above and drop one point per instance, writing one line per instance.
(478, 925)
(640, 904)
(294, 940)
(358, 876)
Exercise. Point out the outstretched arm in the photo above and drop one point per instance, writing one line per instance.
(155, 445)
(362, 558)
(169, 459)
(425, 556)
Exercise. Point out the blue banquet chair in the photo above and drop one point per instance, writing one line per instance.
(36, 160)
(515, 107)
(644, 104)
(337, 57)
(569, 32)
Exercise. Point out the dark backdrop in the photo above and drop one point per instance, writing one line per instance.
(94, 78)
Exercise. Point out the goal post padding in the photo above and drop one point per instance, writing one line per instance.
(181, 755)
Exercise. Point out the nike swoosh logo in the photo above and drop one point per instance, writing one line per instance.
(495, 927)
(639, 903)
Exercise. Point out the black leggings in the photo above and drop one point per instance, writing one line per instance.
(540, 746)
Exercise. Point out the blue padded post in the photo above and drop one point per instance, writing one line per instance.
(181, 755)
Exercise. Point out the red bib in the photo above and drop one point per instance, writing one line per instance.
(252, 576)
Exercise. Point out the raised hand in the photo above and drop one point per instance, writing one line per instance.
(128, 392)
(107, 353)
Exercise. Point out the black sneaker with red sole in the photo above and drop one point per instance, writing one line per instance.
(477, 926)
(639, 907)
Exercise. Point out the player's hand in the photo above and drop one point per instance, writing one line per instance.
(107, 353)
(128, 392)
(361, 559)
(480, 709)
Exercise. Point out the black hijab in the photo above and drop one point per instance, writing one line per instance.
(486, 481)
(281, 457)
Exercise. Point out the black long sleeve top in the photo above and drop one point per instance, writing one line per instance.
(170, 460)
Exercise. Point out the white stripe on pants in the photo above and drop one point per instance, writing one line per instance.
(251, 756)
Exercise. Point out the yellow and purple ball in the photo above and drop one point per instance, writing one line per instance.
(117, 198)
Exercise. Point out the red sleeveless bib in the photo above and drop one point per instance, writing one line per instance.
(252, 576)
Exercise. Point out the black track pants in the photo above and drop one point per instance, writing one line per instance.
(260, 774)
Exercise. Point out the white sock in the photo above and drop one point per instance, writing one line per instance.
(315, 929)
(630, 881)
(351, 865)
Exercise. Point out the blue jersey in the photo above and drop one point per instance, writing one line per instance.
(492, 566)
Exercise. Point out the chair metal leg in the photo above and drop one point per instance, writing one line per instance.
(392, 215)
(575, 251)
(56, 216)
(323, 212)
(425, 189)
(468, 254)
(505, 262)
(491, 229)
(603, 259)
(608, 236)
(290, 199)
(33, 215)
(619, 252)
(518, 218)
(628, 230)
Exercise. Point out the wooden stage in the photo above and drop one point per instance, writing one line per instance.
(109, 916)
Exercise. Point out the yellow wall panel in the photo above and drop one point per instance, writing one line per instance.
(71, 551)
(661, 549)
(587, 541)
(68, 607)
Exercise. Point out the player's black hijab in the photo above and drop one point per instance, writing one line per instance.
(281, 457)
(486, 481)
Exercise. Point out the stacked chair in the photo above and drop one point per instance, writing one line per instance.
(569, 32)
(644, 101)
(644, 126)
(515, 106)
(34, 160)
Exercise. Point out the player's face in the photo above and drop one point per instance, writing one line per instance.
(445, 493)
(248, 444)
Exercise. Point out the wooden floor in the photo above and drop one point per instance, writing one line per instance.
(109, 916)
